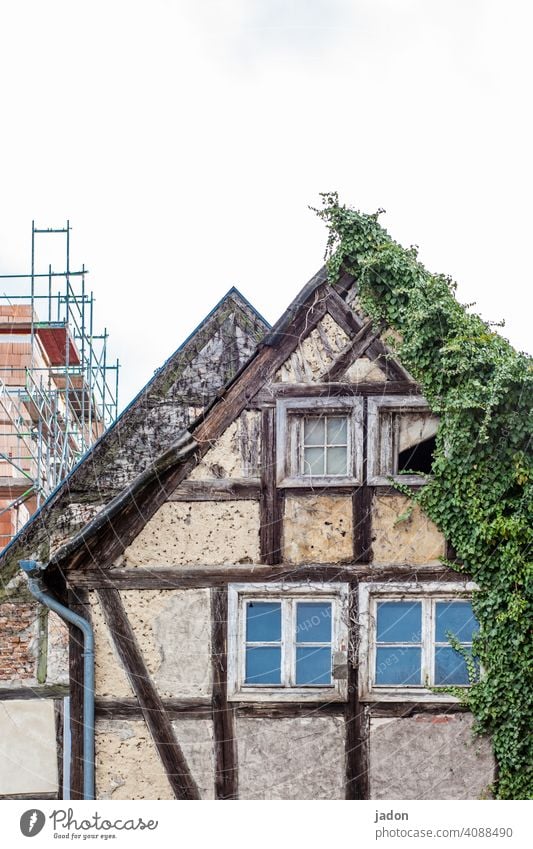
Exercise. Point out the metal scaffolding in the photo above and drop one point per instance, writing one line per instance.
(58, 392)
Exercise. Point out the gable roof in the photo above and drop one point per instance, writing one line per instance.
(186, 383)
(107, 535)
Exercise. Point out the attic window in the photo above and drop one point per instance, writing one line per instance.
(324, 445)
(402, 434)
(319, 441)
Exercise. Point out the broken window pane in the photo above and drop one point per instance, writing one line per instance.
(415, 442)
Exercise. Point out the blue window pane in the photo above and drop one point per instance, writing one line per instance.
(450, 667)
(399, 621)
(457, 617)
(313, 666)
(263, 665)
(263, 622)
(398, 666)
(313, 622)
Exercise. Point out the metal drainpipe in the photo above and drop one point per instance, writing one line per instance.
(38, 589)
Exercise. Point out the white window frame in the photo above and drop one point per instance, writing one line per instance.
(381, 440)
(428, 593)
(290, 413)
(239, 594)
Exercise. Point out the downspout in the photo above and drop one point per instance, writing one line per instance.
(39, 590)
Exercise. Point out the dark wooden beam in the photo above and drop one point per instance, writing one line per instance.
(195, 577)
(271, 505)
(406, 709)
(362, 524)
(175, 708)
(217, 490)
(361, 341)
(78, 602)
(356, 753)
(52, 691)
(284, 710)
(362, 505)
(59, 727)
(223, 717)
(326, 390)
(179, 776)
(31, 796)
(351, 324)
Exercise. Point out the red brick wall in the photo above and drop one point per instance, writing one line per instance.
(18, 632)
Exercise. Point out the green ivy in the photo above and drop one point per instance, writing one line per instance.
(480, 493)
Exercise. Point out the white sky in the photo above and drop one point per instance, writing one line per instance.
(185, 140)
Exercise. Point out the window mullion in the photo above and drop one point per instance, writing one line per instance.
(287, 642)
(427, 643)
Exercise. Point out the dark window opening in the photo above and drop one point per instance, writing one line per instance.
(418, 458)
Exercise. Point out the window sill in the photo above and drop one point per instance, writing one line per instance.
(408, 694)
(337, 693)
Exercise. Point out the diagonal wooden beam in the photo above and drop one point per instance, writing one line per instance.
(352, 324)
(179, 776)
(358, 346)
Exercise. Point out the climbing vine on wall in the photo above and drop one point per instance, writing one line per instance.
(480, 493)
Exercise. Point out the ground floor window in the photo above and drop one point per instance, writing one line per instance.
(414, 639)
(287, 643)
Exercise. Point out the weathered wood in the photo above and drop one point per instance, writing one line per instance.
(59, 728)
(327, 390)
(359, 344)
(345, 317)
(217, 490)
(351, 324)
(362, 524)
(392, 490)
(223, 718)
(195, 577)
(31, 796)
(51, 691)
(271, 499)
(267, 361)
(117, 525)
(406, 709)
(356, 754)
(281, 710)
(179, 776)
(78, 603)
(362, 506)
(175, 708)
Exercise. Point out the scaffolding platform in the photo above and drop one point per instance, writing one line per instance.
(58, 390)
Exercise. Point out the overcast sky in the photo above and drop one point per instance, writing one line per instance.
(185, 139)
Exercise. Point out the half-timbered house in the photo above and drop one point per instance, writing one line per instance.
(271, 618)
